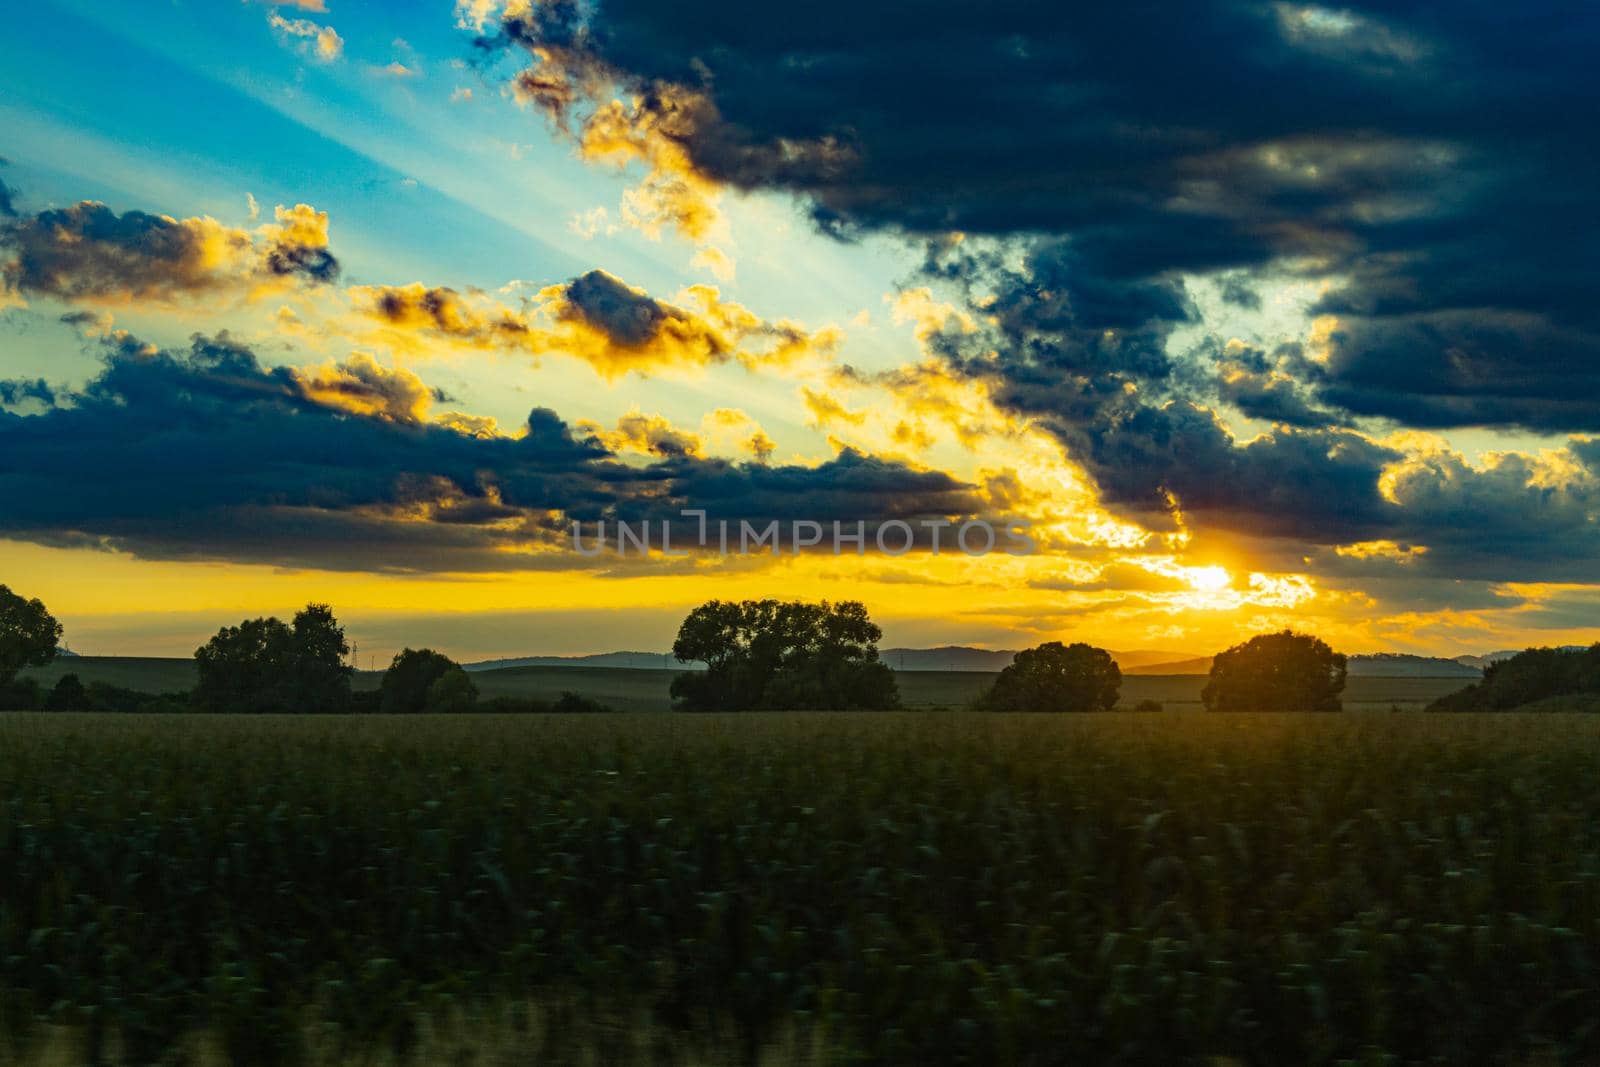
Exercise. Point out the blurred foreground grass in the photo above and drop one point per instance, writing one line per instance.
(894, 888)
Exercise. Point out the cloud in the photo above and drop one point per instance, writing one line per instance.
(602, 320)
(723, 424)
(325, 40)
(1433, 171)
(361, 386)
(16, 391)
(89, 253)
(640, 128)
(208, 454)
(648, 435)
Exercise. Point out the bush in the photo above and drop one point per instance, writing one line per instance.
(576, 703)
(451, 693)
(68, 695)
(366, 702)
(21, 694)
(114, 698)
(408, 683)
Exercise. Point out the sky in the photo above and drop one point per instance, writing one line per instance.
(1253, 315)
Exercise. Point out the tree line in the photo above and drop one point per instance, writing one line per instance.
(758, 655)
(260, 666)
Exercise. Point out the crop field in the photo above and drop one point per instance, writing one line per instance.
(799, 888)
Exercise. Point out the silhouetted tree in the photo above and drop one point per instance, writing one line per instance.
(28, 635)
(246, 668)
(451, 692)
(1535, 674)
(1276, 672)
(262, 665)
(408, 684)
(778, 655)
(68, 694)
(321, 678)
(1057, 677)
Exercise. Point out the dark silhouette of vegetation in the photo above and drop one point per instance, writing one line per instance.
(570, 703)
(1028, 890)
(68, 695)
(1552, 679)
(1276, 672)
(29, 635)
(104, 696)
(422, 680)
(21, 694)
(782, 655)
(1057, 677)
(1148, 705)
(264, 666)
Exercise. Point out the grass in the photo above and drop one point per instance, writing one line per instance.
(147, 674)
(872, 888)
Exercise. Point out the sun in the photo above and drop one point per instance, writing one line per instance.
(1208, 579)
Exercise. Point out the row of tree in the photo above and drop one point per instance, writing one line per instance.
(758, 655)
(771, 654)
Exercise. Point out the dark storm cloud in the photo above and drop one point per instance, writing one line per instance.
(16, 390)
(90, 252)
(1319, 486)
(1435, 162)
(1455, 368)
(627, 316)
(207, 454)
(1272, 387)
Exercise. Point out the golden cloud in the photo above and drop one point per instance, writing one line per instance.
(600, 319)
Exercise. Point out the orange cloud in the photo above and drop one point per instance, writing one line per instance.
(600, 319)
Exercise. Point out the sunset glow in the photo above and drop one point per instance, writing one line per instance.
(443, 282)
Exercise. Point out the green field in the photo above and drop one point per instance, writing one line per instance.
(628, 689)
(147, 674)
(799, 888)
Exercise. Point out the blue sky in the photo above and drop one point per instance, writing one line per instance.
(1321, 362)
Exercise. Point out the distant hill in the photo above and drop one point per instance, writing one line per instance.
(948, 658)
(967, 658)
(1401, 665)
(1376, 665)
(1487, 658)
(1197, 665)
(1480, 662)
(943, 658)
(643, 661)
